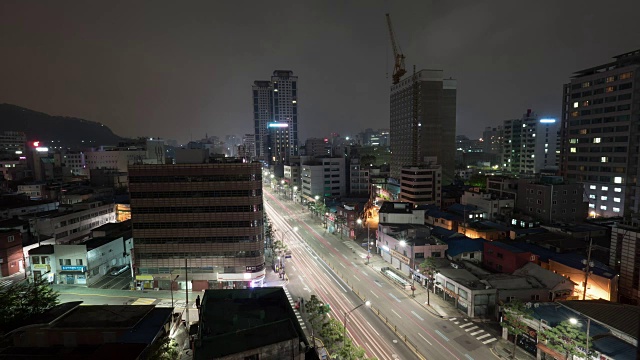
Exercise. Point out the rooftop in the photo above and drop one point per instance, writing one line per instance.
(99, 241)
(104, 316)
(390, 207)
(459, 245)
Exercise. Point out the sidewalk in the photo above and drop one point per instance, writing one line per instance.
(503, 350)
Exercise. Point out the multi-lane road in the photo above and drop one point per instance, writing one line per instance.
(336, 269)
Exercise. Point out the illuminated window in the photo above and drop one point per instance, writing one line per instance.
(617, 189)
(615, 209)
(586, 84)
(592, 196)
(576, 104)
(593, 206)
(575, 114)
(616, 199)
(573, 150)
(603, 207)
(573, 141)
(604, 159)
(617, 180)
(592, 187)
(603, 198)
(596, 140)
(583, 131)
(585, 103)
(610, 79)
(626, 75)
(605, 188)
(610, 89)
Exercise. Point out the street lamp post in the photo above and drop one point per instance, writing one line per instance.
(574, 321)
(346, 314)
(369, 242)
(172, 281)
(293, 190)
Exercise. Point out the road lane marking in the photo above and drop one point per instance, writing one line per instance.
(396, 313)
(352, 263)
(349, 301)
(294, 268)
(441, 334)
(456, 322)
(425, 339)
(468, 357)
(477, 332)
(377, 283)
(144, 301)
(371, 327)
(374, 294)
(489, 341)
(483, 336)
(331, 255)
(467, 324)
(471, 328)
(393, 296)
(356, 277)
(364, 273)
(341, 264)
(325, 290)
(452, 319)
(416, 314)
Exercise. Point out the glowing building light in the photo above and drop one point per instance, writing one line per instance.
(278, 125)
(547, 121)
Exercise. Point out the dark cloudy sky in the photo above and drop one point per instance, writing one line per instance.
(180, 69)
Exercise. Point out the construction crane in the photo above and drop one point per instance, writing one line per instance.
(398, 67)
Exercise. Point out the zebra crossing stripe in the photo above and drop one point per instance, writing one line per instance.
(477, 332)
(465, 325)
(471, 328)
(489, 341)
(482, 337)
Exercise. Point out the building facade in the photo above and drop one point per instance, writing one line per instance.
(11, 252)
(358, 178)
(206, 218)
(73, 223)
(551, 199)
(276, 101)
(599, 147)
(529, 144)
(421, 185)
(493, 205)
(324, 177)
(624, 255)
(431, 133)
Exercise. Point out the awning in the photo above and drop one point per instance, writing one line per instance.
(144, 277)
(66, 272)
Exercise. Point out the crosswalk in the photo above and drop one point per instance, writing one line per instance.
(4, 283)
(144, 301)
(473, 330)
(293, 306)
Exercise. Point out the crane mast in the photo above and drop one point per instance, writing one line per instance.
(398, 67)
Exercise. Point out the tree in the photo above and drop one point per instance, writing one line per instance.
(164, 348)
(268, 231)
(513, 315)
(331, 332)
(428, 267)
(566, 339)
(478, 180)
(22, 300)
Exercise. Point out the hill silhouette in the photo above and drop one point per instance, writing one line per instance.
(63, 130)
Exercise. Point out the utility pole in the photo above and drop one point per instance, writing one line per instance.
(587, 267)
(186, 292)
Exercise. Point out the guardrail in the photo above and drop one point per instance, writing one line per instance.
(382, 317)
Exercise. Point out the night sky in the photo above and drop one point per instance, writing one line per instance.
(179, 70)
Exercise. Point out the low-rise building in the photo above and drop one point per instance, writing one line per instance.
(494, 206)
(504, 258)
(484, 229)
(400, 213)
(405, 246)
(558, 287)
(13, 206)
(254, 323)
(72, 223)
(324, 177)
(463, 248)
(11, 257)
(551, 199)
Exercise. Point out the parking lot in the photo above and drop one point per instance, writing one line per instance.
(117, 282)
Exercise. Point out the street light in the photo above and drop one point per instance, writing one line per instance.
(575, 321)
(172, 281)
(403, 243)
(346, 314)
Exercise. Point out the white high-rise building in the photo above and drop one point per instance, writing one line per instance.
(276, 101)
(529, 144)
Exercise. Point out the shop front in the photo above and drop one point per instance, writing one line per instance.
(72, 275)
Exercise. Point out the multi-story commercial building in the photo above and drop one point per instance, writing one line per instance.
(11, 252)
(12, 145)
(551, 199)
(425, 127)
(276, 100)
(73, 223)
(492, 140)
(529, 144)
(421, 185)
(248, 147)
(358, 178)
(205, 217)
(600, 145)
(624, 254)
(293, 181)
(324, 177)
(278, 143)
(317, 147)
(491, 204)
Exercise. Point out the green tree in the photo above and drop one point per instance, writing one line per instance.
(331, 332)
(164, 348)
(428, 268)
(513, 315)
(22, 300)
(268, 231)
(566, 339)
(478, 180)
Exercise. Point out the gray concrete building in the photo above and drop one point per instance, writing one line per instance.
(600, 143)
(551, 199)
(432, 133)
(422, 185)
(529, 144)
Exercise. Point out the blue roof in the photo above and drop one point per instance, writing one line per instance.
(146, 330)
(464, 245)
(442, 233)
(614, 347)
(507, 247)
(569, 259)
(461, 209)
(443, 215)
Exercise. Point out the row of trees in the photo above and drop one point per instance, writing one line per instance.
(22, 300)
(331, 331)
(565, 338)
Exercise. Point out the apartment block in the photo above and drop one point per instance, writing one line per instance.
(550, 199)
(324, 177)
(421, 185)
(529, 144)
(624, 253)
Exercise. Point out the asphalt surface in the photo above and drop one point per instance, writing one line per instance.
(117, 282)
(340, 270)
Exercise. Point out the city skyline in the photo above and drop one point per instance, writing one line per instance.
(175, 72)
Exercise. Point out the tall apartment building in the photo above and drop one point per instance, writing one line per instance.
(358, 178)
(624, 254)
(12, 145)
(276, 101)
(324, 177)
(207, 215)
(248, 148)
(432, 133)
(421, 185)
(529, 144)
(600, 138)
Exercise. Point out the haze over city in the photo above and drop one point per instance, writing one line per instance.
(180, 70)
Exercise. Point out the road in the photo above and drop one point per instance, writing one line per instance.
(118, 282)
(434, 337)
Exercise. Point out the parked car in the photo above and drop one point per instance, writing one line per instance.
(120, 270)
